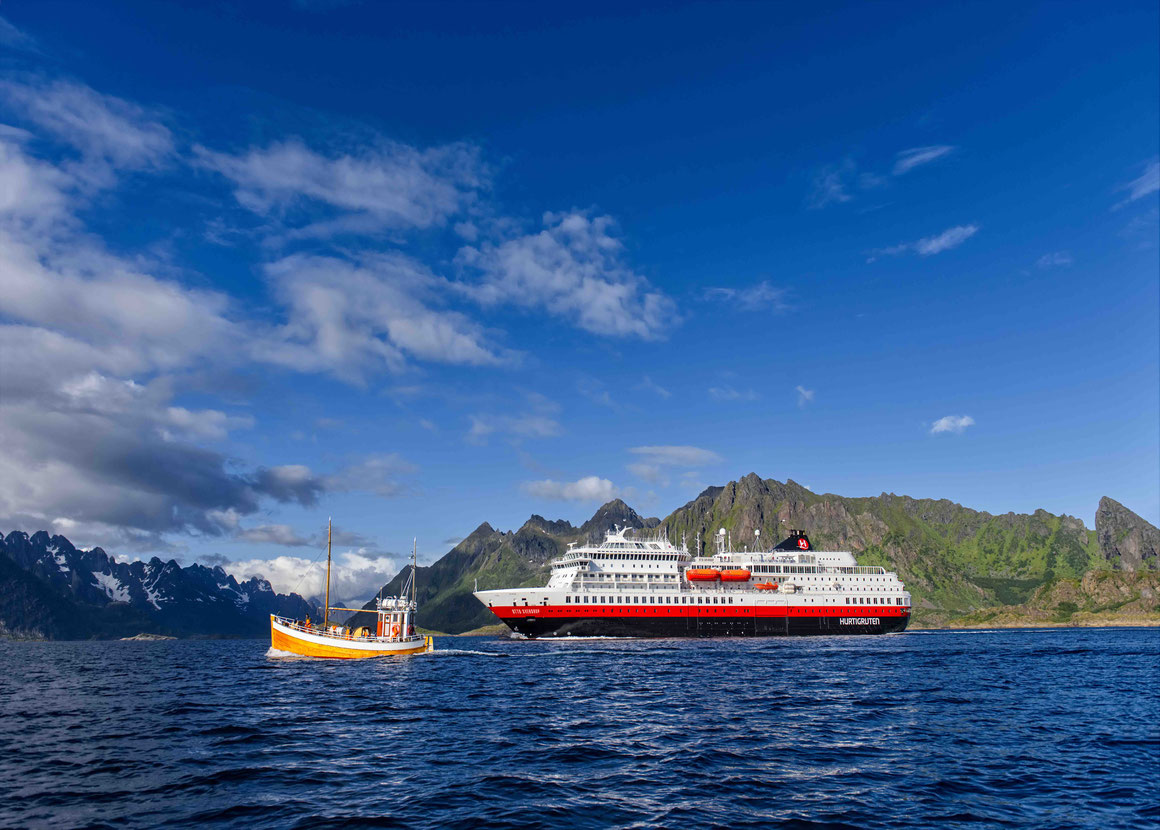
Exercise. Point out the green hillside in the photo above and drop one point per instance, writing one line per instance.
(955, 561)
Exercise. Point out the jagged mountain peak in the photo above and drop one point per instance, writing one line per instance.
(1126, 539)
(557, 527)
(615, 514)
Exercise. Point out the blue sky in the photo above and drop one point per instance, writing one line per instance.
(421, 266)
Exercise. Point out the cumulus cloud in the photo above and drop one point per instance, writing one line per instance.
(355, 576)
(907, 160)
(573, 268)
(374, 189)
(805, 396)
(84, 441)
(353, 319)
(951, 423)
(753, 297)
(930, 245)
(587, 489)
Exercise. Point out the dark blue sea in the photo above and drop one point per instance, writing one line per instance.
(1029, 729)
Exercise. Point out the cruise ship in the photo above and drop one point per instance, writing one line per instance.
(644, 586)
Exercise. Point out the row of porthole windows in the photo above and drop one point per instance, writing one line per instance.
(600, 600)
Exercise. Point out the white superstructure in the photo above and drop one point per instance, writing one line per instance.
(628, 576)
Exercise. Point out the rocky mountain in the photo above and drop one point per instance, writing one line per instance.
(1126, 541)
(956, 561)
(50, 589)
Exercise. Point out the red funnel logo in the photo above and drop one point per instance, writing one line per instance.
(804, 544)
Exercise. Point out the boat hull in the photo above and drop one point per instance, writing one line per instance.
(285, 638)
(662, 622)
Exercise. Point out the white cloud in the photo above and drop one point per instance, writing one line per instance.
(378, 473)
(13, 38)
(274, 534)
(355, 576)
(676, 455)
(950, 238)
(1054, 260)
(354, 319)
(753, 297)
(930, 245)
(1146, 184)
(951, 423)
(805, 396)
(84, 441)
(390, 185)
(102, 127)
(587, 489)
(656, 461)
(907, 160)
(725, 392)
(573, 268)
(595, 391)
(516, 426)
(833, 183)
(652, 385)
(830, 186)
(536, 421)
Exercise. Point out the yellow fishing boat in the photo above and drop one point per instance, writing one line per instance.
(394, 633)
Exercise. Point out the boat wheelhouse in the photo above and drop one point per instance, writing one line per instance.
(394, 633)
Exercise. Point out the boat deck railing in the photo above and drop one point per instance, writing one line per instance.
(346, 634)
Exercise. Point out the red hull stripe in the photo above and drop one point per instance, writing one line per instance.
(712, 611)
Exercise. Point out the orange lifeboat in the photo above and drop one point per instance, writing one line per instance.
(766, 586)
(702, 574)
(735, 575)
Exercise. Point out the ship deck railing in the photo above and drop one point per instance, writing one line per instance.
(295, 625)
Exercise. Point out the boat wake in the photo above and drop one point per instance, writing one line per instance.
(278, 654)
(462, 652)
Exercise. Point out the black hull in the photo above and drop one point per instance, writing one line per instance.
(531, 626)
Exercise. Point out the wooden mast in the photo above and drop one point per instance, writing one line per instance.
(326, 616)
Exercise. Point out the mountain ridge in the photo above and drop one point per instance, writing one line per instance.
(958, 563)
(955, 560)
(49, 589)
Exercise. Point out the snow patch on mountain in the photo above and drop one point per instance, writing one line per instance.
(113, 587)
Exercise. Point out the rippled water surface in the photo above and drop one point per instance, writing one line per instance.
(1020, 728)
